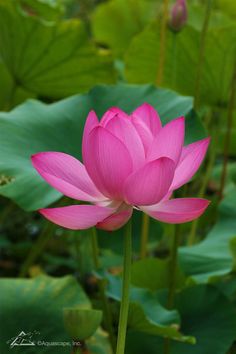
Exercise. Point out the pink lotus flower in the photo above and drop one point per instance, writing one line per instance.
(129, 162)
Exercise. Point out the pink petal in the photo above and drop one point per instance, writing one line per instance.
(169, 141)
(108, 162)
(66, 174)
(77, 217)
(190, 160)
(150, 183)
(167, 196)
(116, 220)
(148, 115)
(91, 122)
(177, 211)
(123, 129)
(111, 113)
(143, 132)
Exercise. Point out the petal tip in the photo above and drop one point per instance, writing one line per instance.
(34, 159)
(43, 211)
(176, 123)
(34, 156)
(207, 140)
(91, 121)
(146, 104)
(206, 202)
(41, 153)
(204, 143)
(180, 120)
(92, 112)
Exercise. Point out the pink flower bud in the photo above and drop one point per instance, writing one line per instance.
(178, 15)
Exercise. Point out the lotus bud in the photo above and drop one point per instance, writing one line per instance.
(178, 15)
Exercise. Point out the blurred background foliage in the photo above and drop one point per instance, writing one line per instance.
(58, 60)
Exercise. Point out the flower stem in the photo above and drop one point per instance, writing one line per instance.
(228, 132)
(95, 248)
(107, 315)
(144, 235)
(105, 304)
(206, 177)
(124, 307)
(172, 281)
(174, 61)
(163, 31)
(201, 54)
(173, 267)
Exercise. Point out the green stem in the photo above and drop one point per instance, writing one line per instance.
(228, 133)
(166, 346)
(206, 177)
(105, 304)
(172, 282)
(95, 248)
(37, 249)
(201, 54)
(162, 53)
(173, 58)
(144, 235)
(173, 267)
(107, 315)
(124, 307)
(76, 237)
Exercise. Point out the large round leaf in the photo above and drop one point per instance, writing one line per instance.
(115, 22)
(36, 306)
(53, 59)
(34, 127)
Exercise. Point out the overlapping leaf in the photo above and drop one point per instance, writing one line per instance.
(116, 22)
(29, 304)
(213, 256)
(53, 59)
(146, 314)
(206, 314)
(182, 50)
(36, 306)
